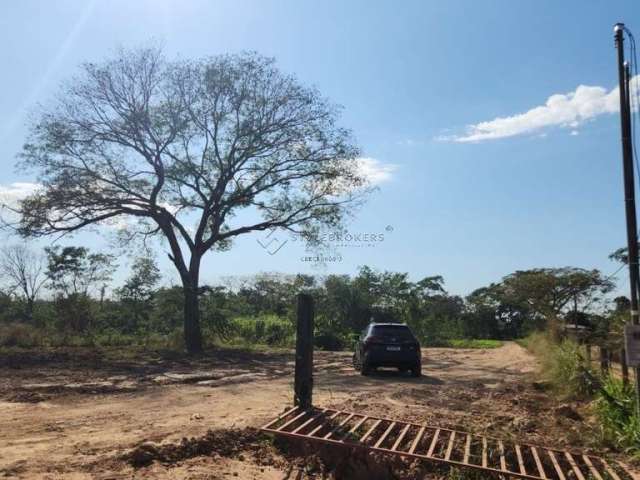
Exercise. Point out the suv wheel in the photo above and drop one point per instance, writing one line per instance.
(365, 369)
(416, 371)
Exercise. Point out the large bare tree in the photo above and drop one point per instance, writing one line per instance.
(181, 148)
(24, 270)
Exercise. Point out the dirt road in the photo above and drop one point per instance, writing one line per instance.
(73, 415)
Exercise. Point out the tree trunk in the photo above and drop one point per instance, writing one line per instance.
(192, 332)
(29, 309)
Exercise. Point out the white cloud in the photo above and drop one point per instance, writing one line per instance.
(11, 194)
(375, 171)
(568, 110)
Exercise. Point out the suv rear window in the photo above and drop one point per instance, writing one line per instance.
(401, 331)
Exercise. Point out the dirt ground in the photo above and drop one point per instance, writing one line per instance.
(81, 414)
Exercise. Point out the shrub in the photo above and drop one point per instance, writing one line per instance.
(19, 335)
(570, 373)
(267, 330)
(617, 412)
(113, 338)
(277, 333)
(436, 330)
(563, 366)
(328, 341)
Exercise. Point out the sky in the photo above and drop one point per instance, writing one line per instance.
(490, 128)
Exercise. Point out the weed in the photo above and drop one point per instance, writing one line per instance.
(19, 335)
(459, 474)
(617, 413)
(563, 365)
(267, 330)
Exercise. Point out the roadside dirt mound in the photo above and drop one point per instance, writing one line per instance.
(229, 443)
(310, 459)
(339, 462)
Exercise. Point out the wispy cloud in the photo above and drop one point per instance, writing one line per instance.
(409, 142)
(375, 171)
(565, 110)
(11, 194)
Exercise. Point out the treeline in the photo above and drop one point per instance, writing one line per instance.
(67, 293)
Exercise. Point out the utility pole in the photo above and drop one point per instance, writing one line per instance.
(629, 188)
(623, 352)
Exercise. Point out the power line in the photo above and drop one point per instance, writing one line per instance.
(633, 97)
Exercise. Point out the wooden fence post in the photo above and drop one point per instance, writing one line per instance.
(604, 360)
(303, 384)
(624, 366)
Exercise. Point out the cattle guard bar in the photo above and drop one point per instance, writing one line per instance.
(443, 445)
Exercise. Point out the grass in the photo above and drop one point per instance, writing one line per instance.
(461, 343)
(615, 408)
(474, 343)
(263, 333)
(263, 330)
(563, 366)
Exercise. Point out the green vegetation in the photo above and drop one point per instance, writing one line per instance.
(616, 411)
(18, 335)
(563, 366)
(268, 330)
(80, 307)
(258, 310)
(565, 369)
(473, 343)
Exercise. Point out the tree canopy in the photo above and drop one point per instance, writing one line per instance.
(541, 295)
(179, 149)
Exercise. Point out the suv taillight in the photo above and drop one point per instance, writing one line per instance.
(372, 340)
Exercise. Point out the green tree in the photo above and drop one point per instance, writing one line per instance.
(137, 292)
(529, 299)
(172, 144)
(167, 313)
(77, 271)
(73, 273)
(6, 307)
(342, 307)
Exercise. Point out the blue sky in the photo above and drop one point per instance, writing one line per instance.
(542, 188)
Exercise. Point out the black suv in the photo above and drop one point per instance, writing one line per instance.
(387, 345)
